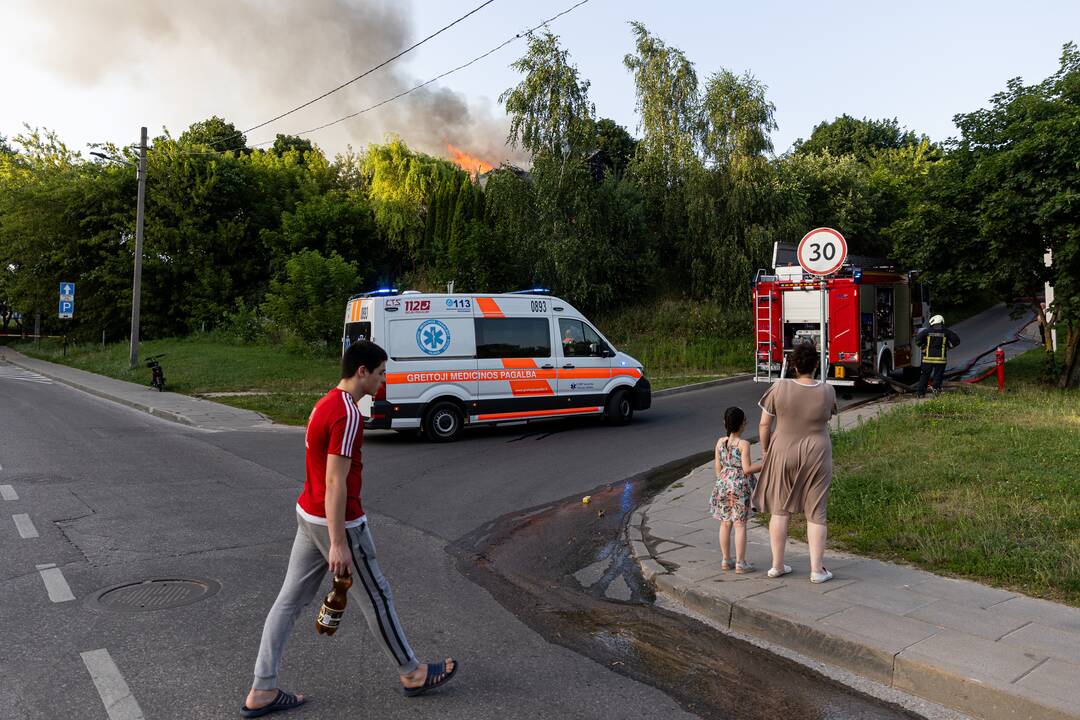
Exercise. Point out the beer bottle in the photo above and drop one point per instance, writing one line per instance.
(333, 607)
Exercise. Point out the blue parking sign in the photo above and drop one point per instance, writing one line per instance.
(67, 300)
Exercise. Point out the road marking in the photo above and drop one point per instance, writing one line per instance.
(8, 493)
(120, 704)
(14, 373)
(25, 525)
(55, 584)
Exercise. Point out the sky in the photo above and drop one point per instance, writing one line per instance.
(96, 70)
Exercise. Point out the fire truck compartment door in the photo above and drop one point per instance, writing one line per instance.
(802, 306)
(844, 322)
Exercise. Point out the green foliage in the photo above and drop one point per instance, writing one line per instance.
(214, 134)
(399, 183)
(309, 300)
(688, 211)
(617, 144)
(1006, 195)
(550, 111)
(862, 138)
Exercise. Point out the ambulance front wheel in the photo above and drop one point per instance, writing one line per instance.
(620, 407)
(443, 422)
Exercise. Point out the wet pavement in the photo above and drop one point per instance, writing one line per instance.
(565, 570)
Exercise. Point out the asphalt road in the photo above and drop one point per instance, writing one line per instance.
(116, 496)
(112, 496)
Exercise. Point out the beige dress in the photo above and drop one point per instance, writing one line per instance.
(797, 470)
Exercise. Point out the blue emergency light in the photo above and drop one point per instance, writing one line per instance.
(532, 291)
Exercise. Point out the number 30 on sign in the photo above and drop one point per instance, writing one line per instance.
(822, 251)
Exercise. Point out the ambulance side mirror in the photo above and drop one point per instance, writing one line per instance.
(607, 352)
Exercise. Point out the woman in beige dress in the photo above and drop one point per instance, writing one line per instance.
(797, 460)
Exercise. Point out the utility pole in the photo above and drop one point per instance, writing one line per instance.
(136, 289)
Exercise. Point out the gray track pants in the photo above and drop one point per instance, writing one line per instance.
(307, 567)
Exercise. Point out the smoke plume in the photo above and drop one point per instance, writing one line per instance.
(248, 60)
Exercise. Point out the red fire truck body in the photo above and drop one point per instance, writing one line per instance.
(872, 316)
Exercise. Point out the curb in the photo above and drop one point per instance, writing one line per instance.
(835, 645)
(169, 415)
(702, 385)
(148, 409)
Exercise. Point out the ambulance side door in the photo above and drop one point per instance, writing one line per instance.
(515, 358)
(584, 362)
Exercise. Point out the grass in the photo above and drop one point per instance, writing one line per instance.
(971, 484)
(196, 365)
(681, 342)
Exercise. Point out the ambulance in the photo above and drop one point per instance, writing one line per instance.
(461, 359)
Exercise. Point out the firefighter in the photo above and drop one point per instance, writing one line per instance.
(935, 342)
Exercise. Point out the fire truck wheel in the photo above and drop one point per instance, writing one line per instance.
(619, 409)
(443, 422)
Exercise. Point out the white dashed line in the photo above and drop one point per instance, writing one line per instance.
(8, 493)
(55, 584)
(120, 704)
(25, 526)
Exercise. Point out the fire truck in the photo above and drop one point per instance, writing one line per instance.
(873, 311)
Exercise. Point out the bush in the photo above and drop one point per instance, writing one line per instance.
(309, 301)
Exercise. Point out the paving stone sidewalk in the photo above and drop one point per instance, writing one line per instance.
(986, 652)
(178, 408)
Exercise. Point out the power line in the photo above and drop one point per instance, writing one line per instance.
(495, 49)
(362, 75)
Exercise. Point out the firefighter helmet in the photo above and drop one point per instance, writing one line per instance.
(937, 320)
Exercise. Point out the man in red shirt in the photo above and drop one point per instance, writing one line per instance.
(333, 533)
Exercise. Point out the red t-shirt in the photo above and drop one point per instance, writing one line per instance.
(334, 427)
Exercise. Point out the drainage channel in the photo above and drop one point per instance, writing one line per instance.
(565, 571)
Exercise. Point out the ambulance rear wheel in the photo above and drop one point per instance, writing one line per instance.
(620, 407)
(443, 422)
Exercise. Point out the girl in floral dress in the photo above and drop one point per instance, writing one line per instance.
(730, 501)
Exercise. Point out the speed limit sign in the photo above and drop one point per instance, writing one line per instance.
(822, 251)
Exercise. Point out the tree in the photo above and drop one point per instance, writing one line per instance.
(309, 299)
(667, 100)
(1005, 196)
(550, 111)
(291, 143)
(738, 118)
(616, 143)
(862, 138)
(400, 183)
(215, 134)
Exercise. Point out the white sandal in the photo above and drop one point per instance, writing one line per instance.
(774, 573)
(821, 577)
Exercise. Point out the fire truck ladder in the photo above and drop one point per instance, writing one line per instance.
(763, 330)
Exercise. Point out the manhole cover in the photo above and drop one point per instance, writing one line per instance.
(156, 594)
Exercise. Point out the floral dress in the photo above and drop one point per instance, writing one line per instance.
(730, 500)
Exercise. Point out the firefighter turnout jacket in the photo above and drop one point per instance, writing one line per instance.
(935, 343)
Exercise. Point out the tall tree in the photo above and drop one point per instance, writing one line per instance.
(550, 111)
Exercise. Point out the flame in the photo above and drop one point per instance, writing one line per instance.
(469, 163)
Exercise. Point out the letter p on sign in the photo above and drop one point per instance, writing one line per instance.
(822, 251)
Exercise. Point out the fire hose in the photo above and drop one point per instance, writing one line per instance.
(967, 368)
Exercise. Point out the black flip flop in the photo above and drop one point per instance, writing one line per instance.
(434, 670)
(283, 701)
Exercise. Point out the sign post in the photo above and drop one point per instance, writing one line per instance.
(67, 300)
(821, 253)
